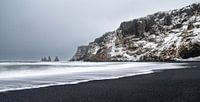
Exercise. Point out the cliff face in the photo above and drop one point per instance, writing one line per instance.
(162, 36)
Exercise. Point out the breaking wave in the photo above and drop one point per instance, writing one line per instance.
(23, 75)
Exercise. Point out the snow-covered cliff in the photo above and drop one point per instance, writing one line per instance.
(162, 36)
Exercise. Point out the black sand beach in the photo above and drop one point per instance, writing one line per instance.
(179, 85)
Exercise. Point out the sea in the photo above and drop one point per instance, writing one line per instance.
(20, 75)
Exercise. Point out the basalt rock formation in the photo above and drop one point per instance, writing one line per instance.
(162, 36)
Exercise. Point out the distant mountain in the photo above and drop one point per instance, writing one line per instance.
(162, 36)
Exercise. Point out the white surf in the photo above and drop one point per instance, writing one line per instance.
(22, 75)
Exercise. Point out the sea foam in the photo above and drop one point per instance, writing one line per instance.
(22, 75)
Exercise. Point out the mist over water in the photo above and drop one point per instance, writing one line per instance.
(25, 75)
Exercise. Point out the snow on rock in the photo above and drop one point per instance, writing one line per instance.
(162, 36)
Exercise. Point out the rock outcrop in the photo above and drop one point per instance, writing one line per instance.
(162, 36)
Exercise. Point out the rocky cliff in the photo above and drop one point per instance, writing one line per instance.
(162, 36)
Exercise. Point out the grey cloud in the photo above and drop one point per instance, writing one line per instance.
(30, 29)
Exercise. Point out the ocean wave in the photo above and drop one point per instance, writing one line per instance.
(17, 76)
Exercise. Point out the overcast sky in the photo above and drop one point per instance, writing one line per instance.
(30, 29)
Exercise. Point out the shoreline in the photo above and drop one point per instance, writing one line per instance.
(83, 81)
(125, 89)
(80, 82)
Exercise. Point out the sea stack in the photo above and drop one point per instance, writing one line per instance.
(56, 59)
(49, 59)
(45, 59)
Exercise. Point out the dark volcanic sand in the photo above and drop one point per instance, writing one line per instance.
(180, 85)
